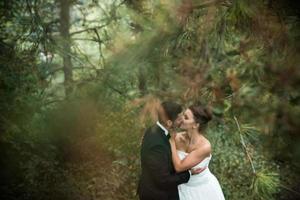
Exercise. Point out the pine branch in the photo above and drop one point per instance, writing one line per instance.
(209, 3)
(89, 29)
(100, 46)
(244, 145)
(289, 189)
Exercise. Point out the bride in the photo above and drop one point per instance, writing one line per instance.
(190, 149)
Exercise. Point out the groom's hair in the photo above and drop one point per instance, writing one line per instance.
(171, 109)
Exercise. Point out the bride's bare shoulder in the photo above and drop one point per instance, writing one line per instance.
(202, 146)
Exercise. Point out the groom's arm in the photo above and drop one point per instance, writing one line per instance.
(157, 163)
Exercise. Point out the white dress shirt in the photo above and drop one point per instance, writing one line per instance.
(163, 128)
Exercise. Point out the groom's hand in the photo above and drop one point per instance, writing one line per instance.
(197, 170)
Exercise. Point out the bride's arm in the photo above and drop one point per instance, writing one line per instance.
(191, 160)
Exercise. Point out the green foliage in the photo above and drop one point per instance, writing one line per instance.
(236, 56)
(265, 184)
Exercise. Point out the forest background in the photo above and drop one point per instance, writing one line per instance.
(80, 80)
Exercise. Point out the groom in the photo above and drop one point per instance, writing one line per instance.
(159, 180)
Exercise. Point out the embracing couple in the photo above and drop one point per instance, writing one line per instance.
(175, 164)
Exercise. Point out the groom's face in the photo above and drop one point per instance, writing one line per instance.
(174, 124)
(178, 120)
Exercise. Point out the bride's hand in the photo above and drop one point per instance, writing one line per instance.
(181, 136)
(173, 136)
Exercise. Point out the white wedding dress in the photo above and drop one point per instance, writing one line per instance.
(203, 186)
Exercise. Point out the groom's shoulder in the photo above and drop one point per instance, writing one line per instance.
(152, 129)
(152, 132)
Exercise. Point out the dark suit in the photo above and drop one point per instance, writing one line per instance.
(158, 180)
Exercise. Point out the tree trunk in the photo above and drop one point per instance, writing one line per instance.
(66, 43)
(142, 81)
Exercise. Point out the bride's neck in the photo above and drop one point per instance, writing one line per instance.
(193, 134)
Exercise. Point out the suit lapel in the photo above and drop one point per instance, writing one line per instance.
(166, 143)
(162, 133)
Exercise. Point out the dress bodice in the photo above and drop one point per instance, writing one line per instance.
(196, 179)
(203, 163)
(201, 186)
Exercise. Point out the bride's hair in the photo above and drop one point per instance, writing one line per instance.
(202, 115)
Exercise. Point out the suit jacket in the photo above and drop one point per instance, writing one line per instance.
(158, 180)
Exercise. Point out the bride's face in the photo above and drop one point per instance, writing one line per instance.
(188, 121)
